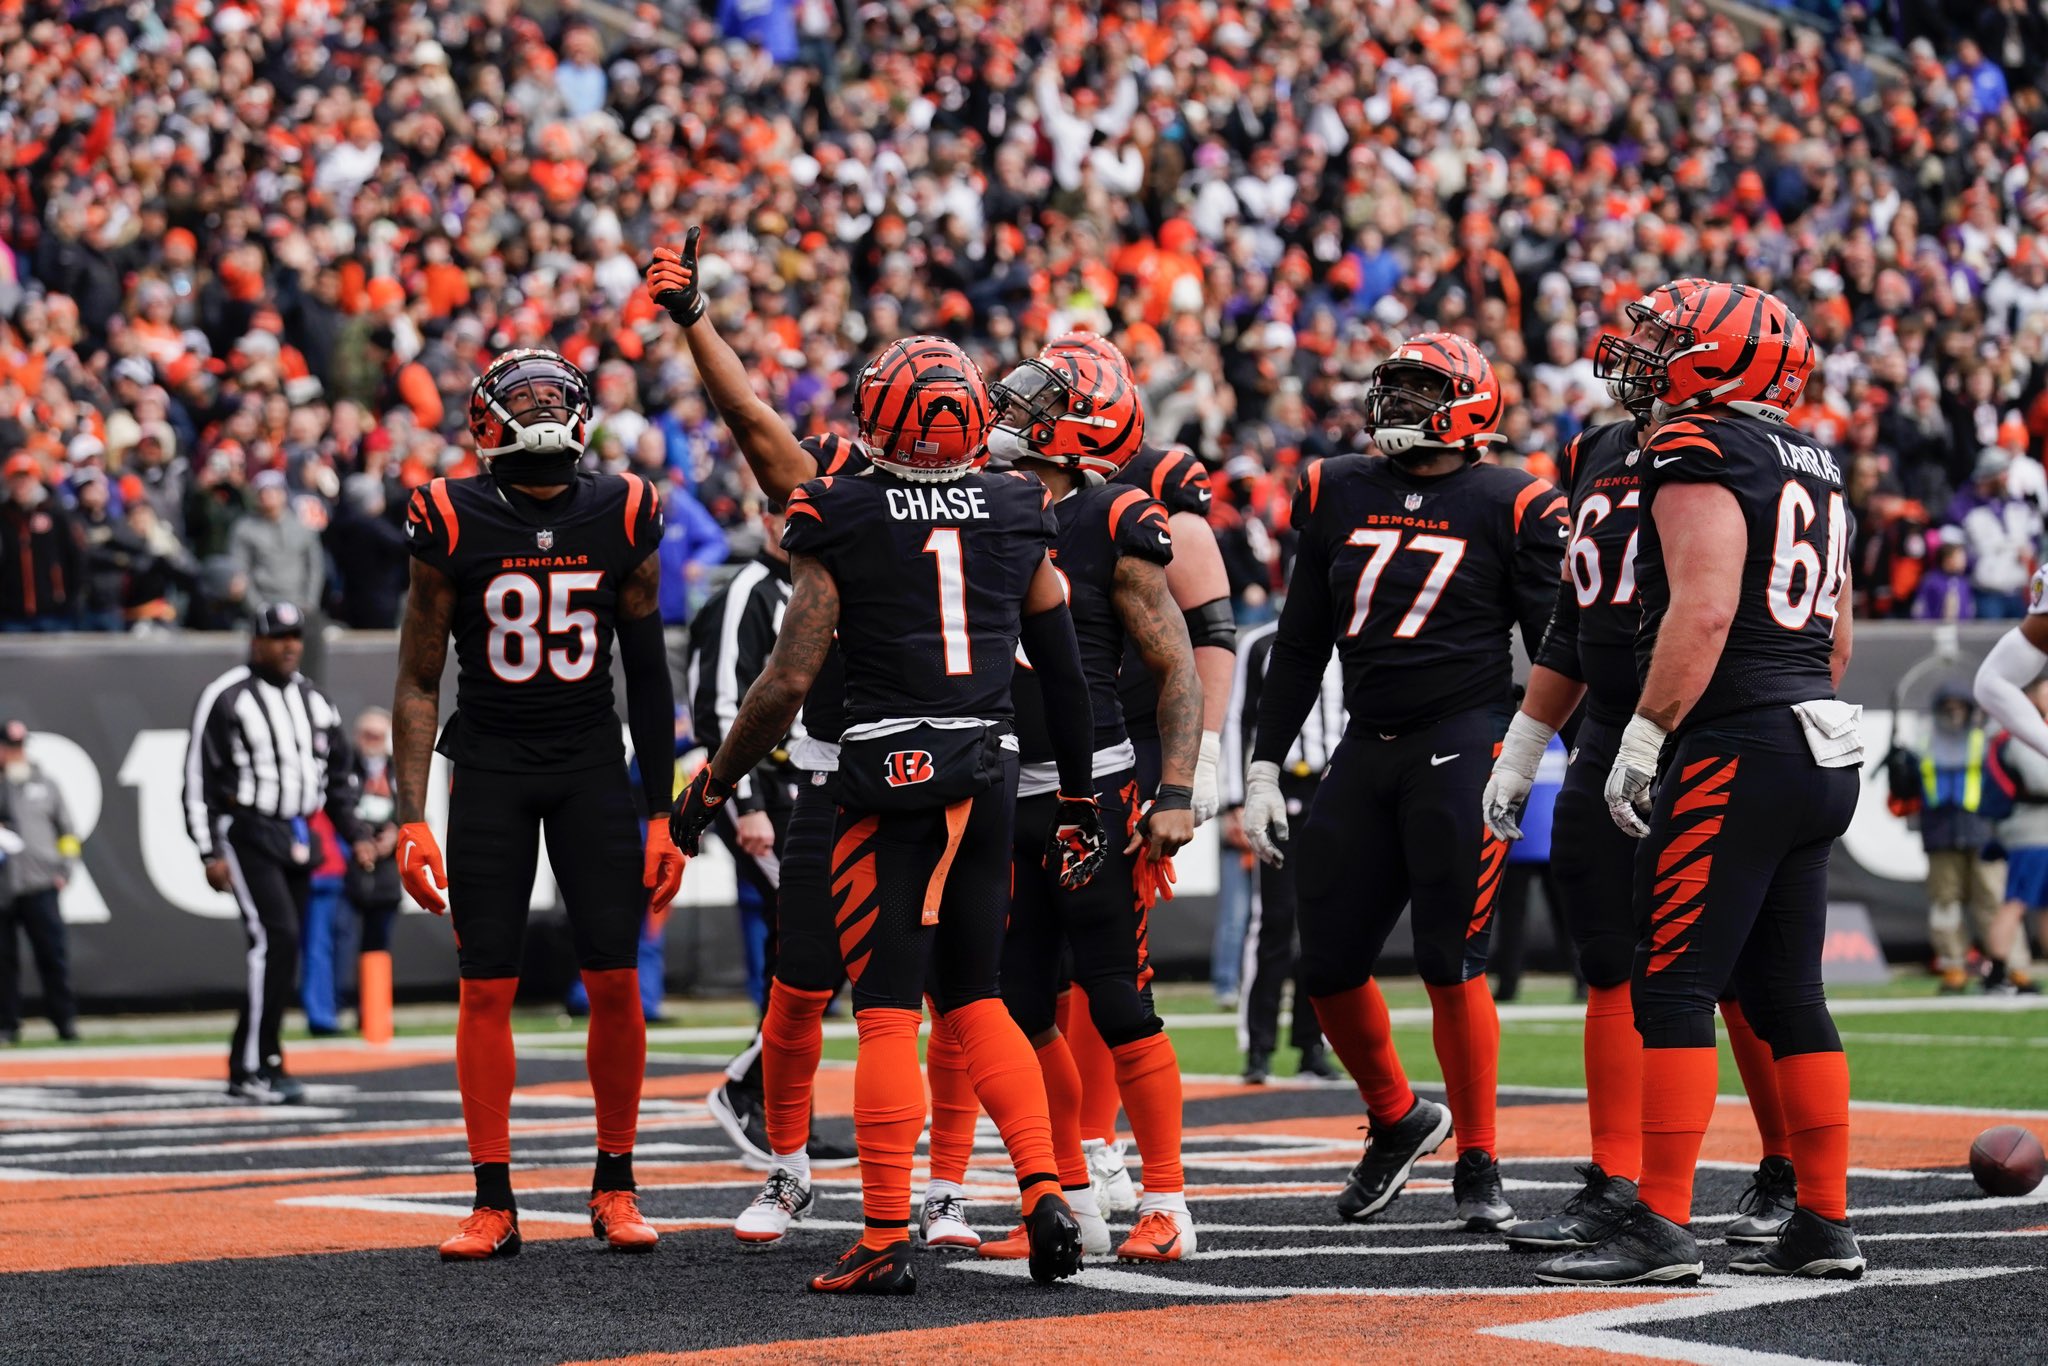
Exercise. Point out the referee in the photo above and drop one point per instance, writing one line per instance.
(267, 751)
(1269, 958)
(731, 637)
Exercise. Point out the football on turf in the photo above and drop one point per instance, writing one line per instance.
(2007, 1160)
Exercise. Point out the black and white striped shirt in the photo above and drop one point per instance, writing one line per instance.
(1324, 727)
(731, 637)
(260, 748)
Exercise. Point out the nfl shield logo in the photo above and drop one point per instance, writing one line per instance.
(544, 539)
(1412, 501)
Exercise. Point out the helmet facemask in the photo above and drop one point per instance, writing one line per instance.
(541, 404)
(1408, 408)
(1030, 402)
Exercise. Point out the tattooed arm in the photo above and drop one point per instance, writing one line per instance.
(778, 694)
(1153, 621)
(416, 706)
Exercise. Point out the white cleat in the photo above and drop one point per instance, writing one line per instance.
(784, 1199)
(1094, 1228)
(943, 1221)
(1114, 1193)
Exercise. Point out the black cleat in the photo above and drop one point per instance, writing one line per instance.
(738, 1112)
(825, 1152)
(1257, 1068)
(862, 1270)
(1055, 1239)
(1315, 1062)
(1810, 1246)
(1647, 1249)
(1475, 1182)
(1763, 1209)
(286, 1087)
(1587, 1218)
(1391, 1152)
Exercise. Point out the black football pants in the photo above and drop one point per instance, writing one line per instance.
(1731, 885)
(1100, 926)
(1269, 956)
(1398, 819)
(271, 888)
(886, 866)
(1593, 862)
(806, 939)
(495, 823)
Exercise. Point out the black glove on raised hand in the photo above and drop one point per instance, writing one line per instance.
(672, 280)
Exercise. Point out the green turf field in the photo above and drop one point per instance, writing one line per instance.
(1987, 1055)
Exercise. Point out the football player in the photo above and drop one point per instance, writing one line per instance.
(2015, 662)
(1737, 770)
(1073, 418)
(809, 968)
(1416, 564)
(536, 568)
(1589, 654)
(932, 571)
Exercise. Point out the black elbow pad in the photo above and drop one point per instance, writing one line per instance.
(1212, 624)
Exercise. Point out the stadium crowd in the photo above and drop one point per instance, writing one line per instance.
(252, 255)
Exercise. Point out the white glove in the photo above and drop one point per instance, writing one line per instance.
(1208, 796)
(1265, 812)
(1635, 768)
(1514, 773)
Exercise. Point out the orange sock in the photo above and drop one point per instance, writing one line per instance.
(1012, 1090)
(1759, 1078)
(615, 1054)
(1099, 1097)
(1614, 1081)
(792, 1037)
(1148, 1075)
(1678, 1101)
(1063, 1105)
(954, 1108)
(1815, 1089)
(1466, 1030)
(1356, 1024)
(888, 1115)
(484, 1065)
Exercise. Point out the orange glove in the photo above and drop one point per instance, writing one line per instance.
(420, 867)
(663, 874)
(1152, 879)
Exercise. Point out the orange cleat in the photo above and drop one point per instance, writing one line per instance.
(1161, 1235)
(615, 1217)
(1013, 1246)
(486, 1233)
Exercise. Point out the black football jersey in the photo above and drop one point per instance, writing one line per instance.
(536, 582)
(1097, 526)
(1417, 582)
(1592, 635)
(824, 715)
(931, 581)
(1181, 484)
(1795, 570)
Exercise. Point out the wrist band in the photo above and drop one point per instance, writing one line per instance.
(1174, 797)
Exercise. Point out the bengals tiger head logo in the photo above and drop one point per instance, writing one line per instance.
(908, 767)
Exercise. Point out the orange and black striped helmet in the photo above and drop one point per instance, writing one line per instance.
(922, 410)
(1085, 343)
(1621, 362)
(1075, 405)
(1436, 392)
(1727, 344)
